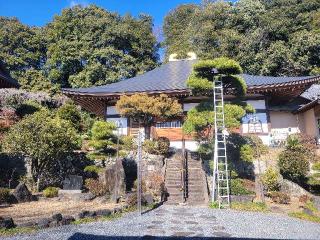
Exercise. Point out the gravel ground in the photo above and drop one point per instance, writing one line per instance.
(173, 221)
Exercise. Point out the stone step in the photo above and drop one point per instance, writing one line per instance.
(192, 187)
(173, 183)
(195, 192)
(196, 199)
(194, 178)
(172, 171)
(195, 182)
(173, 186)
(175, 176)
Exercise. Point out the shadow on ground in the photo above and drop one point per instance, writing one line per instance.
(81, 236)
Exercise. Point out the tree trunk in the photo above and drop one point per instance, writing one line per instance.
(147, 130)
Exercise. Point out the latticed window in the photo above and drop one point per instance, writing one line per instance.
(171, 124)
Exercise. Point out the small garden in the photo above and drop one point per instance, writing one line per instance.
(45, 140)
(288, 182)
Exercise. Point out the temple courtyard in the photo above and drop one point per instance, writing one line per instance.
(186, 222)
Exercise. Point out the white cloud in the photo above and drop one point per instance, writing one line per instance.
(76, 2)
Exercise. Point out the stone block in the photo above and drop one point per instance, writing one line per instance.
(103, 212)
(43, 223)
(57, 217)
(6, 223)
(22, 193)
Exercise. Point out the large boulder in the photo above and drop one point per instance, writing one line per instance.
(293, 189)
(113, 177)
(43, 223)
(22, 193)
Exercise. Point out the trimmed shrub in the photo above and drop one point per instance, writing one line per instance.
(50, 192)
(71, 113)
(163, 145)
(4, 195)
(160, 146)
(293, 165)
(314, 185)
(270, 180)
(304, 144)
(93, 169)
(238, 188)
(128, 143)
(150, 146)
(28, 107)
(257, 145)
(246, 153)
(280, 197)
(316, 166)
(95, 187)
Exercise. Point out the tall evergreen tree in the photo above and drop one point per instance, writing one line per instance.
(90, 46)
(81, 47)
(274, 37)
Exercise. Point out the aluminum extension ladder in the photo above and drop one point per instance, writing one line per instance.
(221, 190)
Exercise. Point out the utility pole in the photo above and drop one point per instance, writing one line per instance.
(139, 177)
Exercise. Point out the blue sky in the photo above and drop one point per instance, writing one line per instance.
(40, 12)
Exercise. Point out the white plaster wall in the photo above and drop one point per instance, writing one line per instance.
(111, 110)
(310, 123)
(257, 104)
(124, 122)
(283, 124)
(188, 106)
(265, 139)
(190, 145)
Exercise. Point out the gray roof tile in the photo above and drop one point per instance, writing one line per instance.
(312, 93)
(172, 76)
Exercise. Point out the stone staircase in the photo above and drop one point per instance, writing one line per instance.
(196, 182)
(196, 186)
(173, 179)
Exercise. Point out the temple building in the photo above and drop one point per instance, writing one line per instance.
(284, 105)
(6, 81)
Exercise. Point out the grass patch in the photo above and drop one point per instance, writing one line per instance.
(310, 205)
(104, 218)
(97, 219)
(16, 231)
(314, 217)
(250, 206)
(214, 205)
(305, 216)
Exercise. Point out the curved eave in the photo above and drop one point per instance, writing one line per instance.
(6, 84)
(116, 95)
(308, 106)
(253, 89)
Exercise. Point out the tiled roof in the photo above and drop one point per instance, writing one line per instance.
(6, 81)
(172, 76)
(312, 93)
